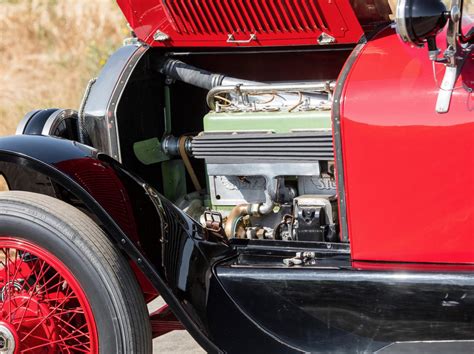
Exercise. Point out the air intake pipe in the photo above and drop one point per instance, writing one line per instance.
(245, 93)
(178, 70)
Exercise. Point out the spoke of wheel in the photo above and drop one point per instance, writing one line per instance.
(7, 258)
(22, 286)
(43, 301)
(37, 337)
(44, 318)
(26, 303)
(62, 340)
(79, 340)
(19, 265)
(75, 329)
(33, 270)
(50, 288)
(75, 348)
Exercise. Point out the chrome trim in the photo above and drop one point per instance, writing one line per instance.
(55, 119)
(400, 21)
(434, 346)
(80, 118)
(105, 95)
(20, 129)
(339, 157)
(320, 86)
(7, 340)
(446, 90)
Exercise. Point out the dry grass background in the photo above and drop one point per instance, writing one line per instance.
(49, 49)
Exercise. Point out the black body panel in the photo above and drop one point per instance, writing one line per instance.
(131, 212)
(345, 310)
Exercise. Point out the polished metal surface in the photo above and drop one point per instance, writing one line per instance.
(289, 95)
(100, 110)
(337, 101)
(24, 121)
(271, 170)
(446, 90)
(7, 340)
(401, 21)
(56, 119)
(262, 183)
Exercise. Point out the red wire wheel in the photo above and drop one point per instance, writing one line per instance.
(43, 307)
(65, 287)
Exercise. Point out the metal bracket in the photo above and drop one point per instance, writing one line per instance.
(301, 258)
(450, 57)
(160, 36)
(325, 38)
(231, 39)
(446, 89)
(213, 221)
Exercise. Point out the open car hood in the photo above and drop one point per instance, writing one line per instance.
(231, 23)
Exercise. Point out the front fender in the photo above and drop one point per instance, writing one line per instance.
(172, 250)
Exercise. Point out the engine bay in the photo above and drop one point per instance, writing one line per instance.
(246, 152)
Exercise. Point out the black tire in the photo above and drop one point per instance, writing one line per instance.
(117, 303)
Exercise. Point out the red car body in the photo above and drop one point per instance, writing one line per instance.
(382, 262)
(419, 184)
(421, 194)
(209, 23)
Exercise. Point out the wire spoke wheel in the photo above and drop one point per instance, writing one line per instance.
(65, 287)
(43, 309)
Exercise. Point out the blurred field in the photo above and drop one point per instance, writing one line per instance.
(49, 49)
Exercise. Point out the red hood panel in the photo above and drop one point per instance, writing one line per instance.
(230, 23)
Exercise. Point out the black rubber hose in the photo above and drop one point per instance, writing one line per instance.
(178, 70)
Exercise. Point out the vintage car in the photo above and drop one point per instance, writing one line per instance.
(290, 176)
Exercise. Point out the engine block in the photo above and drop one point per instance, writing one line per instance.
(248, 153)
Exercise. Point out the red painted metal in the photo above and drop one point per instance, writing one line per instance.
(164, 321)
(409, 171)
(101, 182)
(42, 304)
(208, 23)
(149, 292)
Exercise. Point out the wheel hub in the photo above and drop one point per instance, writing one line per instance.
(42, 307)
(8, 339)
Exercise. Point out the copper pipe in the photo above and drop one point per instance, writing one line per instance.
(237, 213)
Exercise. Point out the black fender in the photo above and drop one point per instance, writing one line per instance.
(174, 252)
(130, 211)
